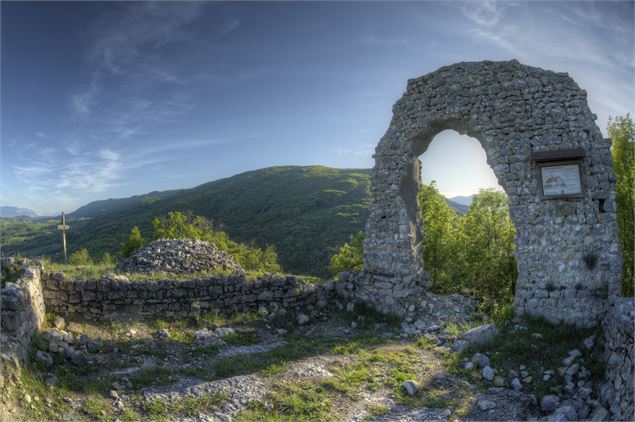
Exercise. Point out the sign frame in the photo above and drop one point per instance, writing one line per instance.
(574, 195)
(574, 156)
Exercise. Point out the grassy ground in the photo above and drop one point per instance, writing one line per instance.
(363, 369)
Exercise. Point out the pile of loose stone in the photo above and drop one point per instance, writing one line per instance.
(179, 256)
(572, 400)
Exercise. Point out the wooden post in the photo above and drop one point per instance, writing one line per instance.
(63, 228)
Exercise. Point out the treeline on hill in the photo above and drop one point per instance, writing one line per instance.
(176, 225)
(470, 254)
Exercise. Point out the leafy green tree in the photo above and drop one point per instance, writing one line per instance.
(486, 248)
(439, 221)
(350, 256)
(106, 259)
(622, 133)
(80, 257)
(135, 241)
(175, 226)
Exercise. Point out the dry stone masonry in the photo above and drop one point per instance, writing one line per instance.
(22, 312)
(566, 249)
(114, 297)
(617, 393)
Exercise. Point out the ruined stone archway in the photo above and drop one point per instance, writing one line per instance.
(567, 248)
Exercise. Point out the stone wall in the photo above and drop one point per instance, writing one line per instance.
(617, 394)
(514, 111)
(108, 298)
(21, 314)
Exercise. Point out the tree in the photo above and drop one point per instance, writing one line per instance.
(80, 257)
(135, 241)
(487, 243)
(439, 220)
(350, 256)
(622, 133)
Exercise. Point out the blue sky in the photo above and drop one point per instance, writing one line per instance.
(107, 100)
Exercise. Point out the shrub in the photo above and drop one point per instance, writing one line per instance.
(80, 257)
(350, 256)
(135, 241)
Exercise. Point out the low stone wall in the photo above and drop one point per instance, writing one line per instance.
(617, 393)
(108, 298)
(21, 314)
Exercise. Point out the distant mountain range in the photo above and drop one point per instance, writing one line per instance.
(11, 212)
(305, 212)
(463, 200)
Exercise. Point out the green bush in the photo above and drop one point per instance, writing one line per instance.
(135, 241)
(80, 257)
(350, 255)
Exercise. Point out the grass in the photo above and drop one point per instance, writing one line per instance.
(151, 376)
(188, 407)
(241, 338)
(291, 401)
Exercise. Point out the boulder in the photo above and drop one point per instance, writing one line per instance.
(44, 358)
(481, 335)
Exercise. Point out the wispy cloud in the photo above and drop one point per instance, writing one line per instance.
(371, 39)
(485, 13)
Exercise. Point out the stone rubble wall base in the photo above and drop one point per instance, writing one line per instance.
(22, 314)
(106, 298)
(618, 391)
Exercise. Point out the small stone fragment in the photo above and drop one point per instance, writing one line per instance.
(302, 319)
(549, 403)
(499, 381)
(599, 414)
(485, 405)
(44, 358)
(516, 385)
(411, 387)
(488, 373)
(469, 365)
(481, 360)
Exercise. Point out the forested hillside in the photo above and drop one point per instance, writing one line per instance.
(305, 212)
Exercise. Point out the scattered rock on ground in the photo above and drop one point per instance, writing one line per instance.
(411, 387)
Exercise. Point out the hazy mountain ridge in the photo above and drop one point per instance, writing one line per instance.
(11, 212)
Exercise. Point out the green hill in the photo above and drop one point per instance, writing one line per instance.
(305, 212)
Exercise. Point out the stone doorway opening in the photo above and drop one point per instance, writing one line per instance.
(468, 235)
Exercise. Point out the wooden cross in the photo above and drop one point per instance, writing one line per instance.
(63, 227)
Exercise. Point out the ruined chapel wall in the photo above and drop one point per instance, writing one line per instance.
(513, 110)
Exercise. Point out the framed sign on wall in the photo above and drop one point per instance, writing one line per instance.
(560, 173)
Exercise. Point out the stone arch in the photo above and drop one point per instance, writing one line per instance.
(514, 111)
